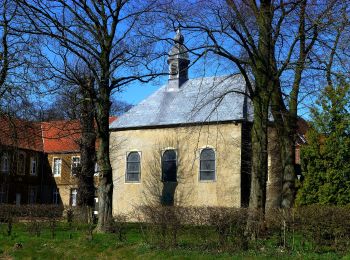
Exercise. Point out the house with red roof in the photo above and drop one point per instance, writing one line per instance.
(22, 163)
(38, 161)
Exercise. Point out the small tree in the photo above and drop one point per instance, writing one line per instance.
(326, 158)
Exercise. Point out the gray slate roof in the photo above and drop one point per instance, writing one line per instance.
(212, 99)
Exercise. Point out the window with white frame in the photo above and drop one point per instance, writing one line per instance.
(133, 167)
(33, 166)
(21, 163)
(32, 192)
(3, 193)
(169, 166)
(56, 196)
(97, 169)
(75, 165)
(207, 165)
(57, 166)
(96, 205)
(73, 197)
(5, 163)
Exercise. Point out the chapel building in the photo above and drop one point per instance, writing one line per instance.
(188, 144)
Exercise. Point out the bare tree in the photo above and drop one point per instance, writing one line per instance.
(102, 35)
(18, 59)
(267, 42)
(4, 58)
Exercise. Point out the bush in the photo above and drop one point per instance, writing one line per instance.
(328, 226)
(118, 226)
(230, 225)
(31, 214)
(30, 211)
(162, 225)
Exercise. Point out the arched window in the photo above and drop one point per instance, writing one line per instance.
(207, 165)
(133, 167)
(169, 166)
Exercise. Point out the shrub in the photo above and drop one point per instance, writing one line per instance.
(328, 226)
(118, 226)
(162, 224)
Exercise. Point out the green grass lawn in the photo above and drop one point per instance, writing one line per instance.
(75, 243)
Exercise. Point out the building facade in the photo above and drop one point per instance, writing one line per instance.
(187, 144)
(24, 176)
(39, 162)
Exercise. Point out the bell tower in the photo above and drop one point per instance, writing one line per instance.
(178, 61)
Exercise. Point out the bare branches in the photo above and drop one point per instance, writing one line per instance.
(4, 41)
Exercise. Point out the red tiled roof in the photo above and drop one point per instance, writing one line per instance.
(61, 136)
(20, 133)
(49, 137)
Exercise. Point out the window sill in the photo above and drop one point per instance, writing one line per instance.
(206, 181)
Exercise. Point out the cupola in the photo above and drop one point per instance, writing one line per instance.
(178, 61)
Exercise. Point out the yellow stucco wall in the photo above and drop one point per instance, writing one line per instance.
(188, 142)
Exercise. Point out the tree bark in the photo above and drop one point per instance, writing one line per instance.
(286, 118)
(274, 183)
(259, 156)
(259, 169)
(264, 74)
(86, 188)
(105, 190)
(288, 161)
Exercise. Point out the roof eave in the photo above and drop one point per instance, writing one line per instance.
(234, 121)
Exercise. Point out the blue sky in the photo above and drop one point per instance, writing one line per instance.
(136, 92)
(205, 67)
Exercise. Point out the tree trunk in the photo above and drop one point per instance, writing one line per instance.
(86, 188)
(264, 73)
(275, 174)
(286, 118)
(259, 167)
(259, 156)
(287, 143)
(286, 124)
(105, 190)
